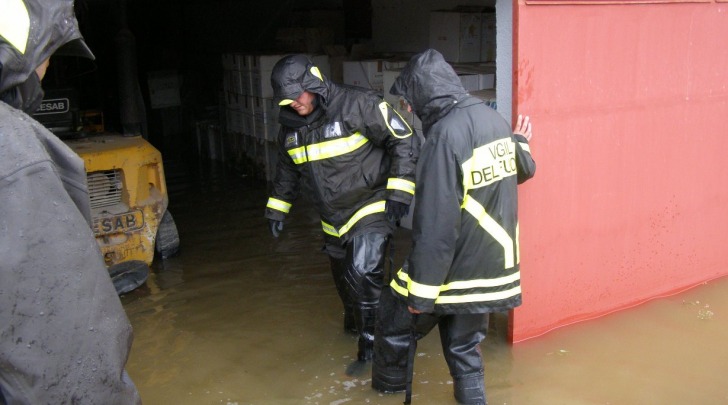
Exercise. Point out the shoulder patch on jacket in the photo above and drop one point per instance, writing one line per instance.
(396, 124)
(291, 139)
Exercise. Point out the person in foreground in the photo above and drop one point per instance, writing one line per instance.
(64, 336)
(464, 262)
(356, 159)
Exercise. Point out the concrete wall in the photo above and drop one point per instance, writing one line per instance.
(629, 104)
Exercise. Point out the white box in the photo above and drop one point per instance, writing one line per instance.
(249, 124)
(265, 107)
(235, 119)
(261, 86)
(488, 37)
(322, 62)
(233, 100)
(266, 62)
(364, 73)
(232, 61)
(470, 81)
(457, 36)
(485, 73)
(249, 62)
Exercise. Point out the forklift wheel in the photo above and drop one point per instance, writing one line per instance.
(167, 241)
(127, 276)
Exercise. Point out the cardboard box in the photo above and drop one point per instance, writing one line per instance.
(485, 74)
(488, 41)
(233, 61)
(456, 35)
(470, 81)
(364, 73)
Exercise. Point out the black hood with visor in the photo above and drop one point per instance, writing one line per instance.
(38, 29)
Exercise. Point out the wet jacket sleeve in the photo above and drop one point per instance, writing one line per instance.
(525, 165)
(387, 129)
(437, 223)
(64, 332)
(286, 184)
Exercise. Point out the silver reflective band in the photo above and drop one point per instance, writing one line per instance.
(402, 185)
(278, 205)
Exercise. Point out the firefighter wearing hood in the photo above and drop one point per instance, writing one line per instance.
(64, 336)
(355, 157)
(464, 262)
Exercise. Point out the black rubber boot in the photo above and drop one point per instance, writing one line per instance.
(470, 389)
(388, 380)
(391, 344)
(338, 266)
(365, 317)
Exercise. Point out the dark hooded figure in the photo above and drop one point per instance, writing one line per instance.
(464, 262)
(355, 158)
(64, 336)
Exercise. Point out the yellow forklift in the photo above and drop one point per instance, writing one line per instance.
(125, 173)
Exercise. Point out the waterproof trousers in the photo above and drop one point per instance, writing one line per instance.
(338, 268)
(460, 336)
(362, 280)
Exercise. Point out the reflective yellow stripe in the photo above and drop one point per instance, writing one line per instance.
(364, 211)
(490, 163)
(494, 296)
(525, 146)
(492, 227)
(15, 23)
(337, 147)
(279, 205)
(330, 229)
(298, 155)
(399, 289)
(420, 290)
(401, 184)
(433, 292)
(328, 149)
(316, 72)
(403, 129)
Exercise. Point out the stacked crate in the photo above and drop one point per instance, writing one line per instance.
(252, 113)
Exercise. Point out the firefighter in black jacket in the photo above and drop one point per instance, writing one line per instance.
(464, 261)
(356, 159)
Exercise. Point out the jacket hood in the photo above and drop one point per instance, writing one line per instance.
(30, 32)
(295, 74)
(429, 85)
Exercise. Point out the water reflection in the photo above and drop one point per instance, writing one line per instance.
(241, 318)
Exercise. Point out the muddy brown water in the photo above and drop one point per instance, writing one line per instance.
(242, 318)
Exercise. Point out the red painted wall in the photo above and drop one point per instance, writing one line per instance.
(630, 199)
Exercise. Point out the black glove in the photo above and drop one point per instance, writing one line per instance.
(275, 227)
(395, 210)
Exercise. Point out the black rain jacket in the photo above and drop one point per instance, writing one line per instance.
(465, 255)
(64, 335)
(352, 153)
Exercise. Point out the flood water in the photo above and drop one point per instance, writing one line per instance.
(242, 318)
